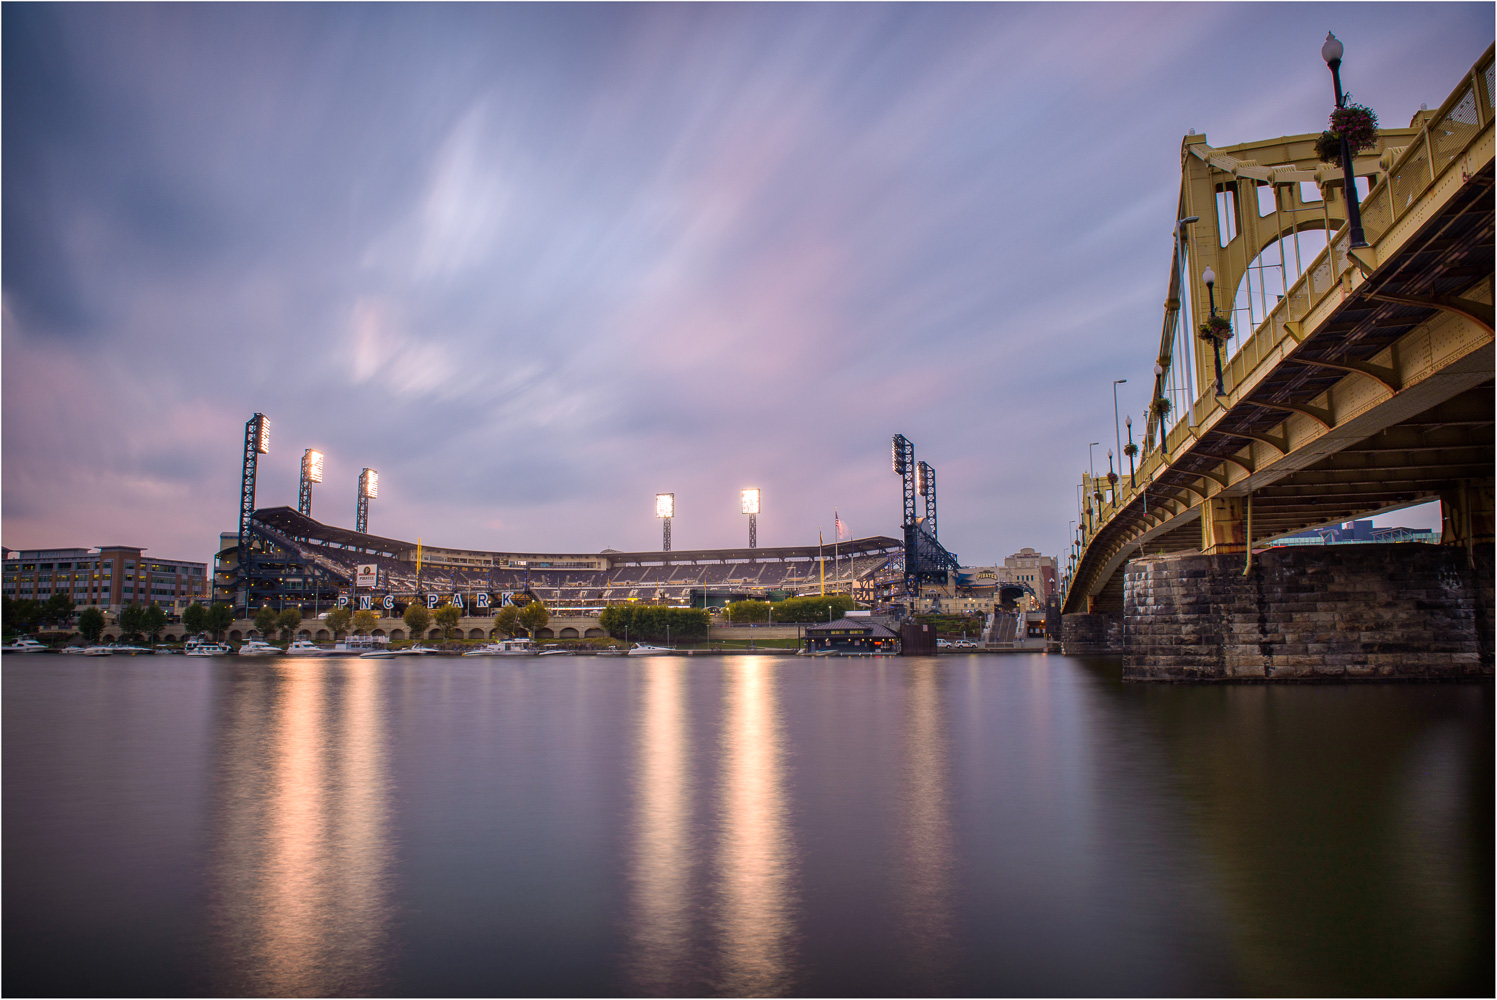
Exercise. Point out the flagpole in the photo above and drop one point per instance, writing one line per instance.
(836, 547)
(821, 560)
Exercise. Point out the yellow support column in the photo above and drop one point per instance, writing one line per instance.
(1224, 526)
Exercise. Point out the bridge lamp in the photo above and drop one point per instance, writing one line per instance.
(1209, 277)
(665, 509)
(1117, 438)
(1331, 52)
(748, 502)
(1131, 450)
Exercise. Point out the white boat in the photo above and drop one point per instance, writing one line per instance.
(305, 647)
(128, 650)
(259, 647)
(556, 652)
(359, 644)
(645, 649)
(200, 647)
(98, 651)
(73, 650)
(509, 647)
(419, 650)
(25, 644)
(379, 654)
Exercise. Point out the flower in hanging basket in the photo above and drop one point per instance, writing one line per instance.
(1217, 328)
(1112, 479)
(1160, 407)
(1130, 449)
(1355, 121)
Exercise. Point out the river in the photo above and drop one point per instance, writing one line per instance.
(734, 825)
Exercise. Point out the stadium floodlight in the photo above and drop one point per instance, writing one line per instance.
(665, 508)
(749, 502)
(311, 465)
(262, 434)
(369, 484)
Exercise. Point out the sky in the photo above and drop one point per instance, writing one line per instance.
(537, 263)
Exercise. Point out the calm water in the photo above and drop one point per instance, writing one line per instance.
(736, 825)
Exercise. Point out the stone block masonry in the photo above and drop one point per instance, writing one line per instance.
(1342, 612)
(1090, 634)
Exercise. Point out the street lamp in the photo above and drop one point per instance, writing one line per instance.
(1117, 438)
(1131, 451)
(1331, 52)
(1209, 277)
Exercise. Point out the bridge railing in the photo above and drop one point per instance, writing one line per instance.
(1410, 172)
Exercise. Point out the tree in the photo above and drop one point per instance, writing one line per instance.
(91, 624)
(288, 621)
(23, 615)
(218, 618)
(534, 616)
(265, 620)
(507, 621)
(654, 622)
(338, 620)
(812, 609)
(744, 612)
(153, 620)
(417, 619)
(58, 609)
(194, 618)
(364, 622)
(446, 616)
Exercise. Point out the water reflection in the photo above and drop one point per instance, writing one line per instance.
(754, 852)
(661, 860)
(300, 841)
(926, 888)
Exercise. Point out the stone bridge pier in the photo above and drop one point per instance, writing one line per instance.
(1310, 613)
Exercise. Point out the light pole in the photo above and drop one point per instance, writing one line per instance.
(1089, 465)
(1331, 52)
(1131, 451)
(1209, 277)
(1117, 438)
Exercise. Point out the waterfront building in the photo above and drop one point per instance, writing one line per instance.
(1357, 533)
(106, 577)
(853, 634)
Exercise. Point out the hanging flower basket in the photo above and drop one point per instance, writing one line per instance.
(1355, 121)
(1160, 407)
(1217, 328)
(1130, 449)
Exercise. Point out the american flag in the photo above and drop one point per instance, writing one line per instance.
(842, 533)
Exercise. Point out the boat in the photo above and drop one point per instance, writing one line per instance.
(259, 647)
(98, 651)
(556, 652)
(128, 650)
(509, 647)
(25, 644)
(201, 647)
(73, 650)
(645, 649)
(378, 654)
(305, 647)
(419, 650)
(359, 644)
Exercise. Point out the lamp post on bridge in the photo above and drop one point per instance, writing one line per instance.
(1117, 438)
(1209, 277)
(1331, 52)
(1131, 451)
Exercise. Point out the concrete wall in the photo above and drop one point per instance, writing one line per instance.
(1310, 613)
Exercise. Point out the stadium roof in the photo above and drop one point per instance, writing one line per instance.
(290, 522)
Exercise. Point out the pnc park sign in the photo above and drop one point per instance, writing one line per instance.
(477, 603)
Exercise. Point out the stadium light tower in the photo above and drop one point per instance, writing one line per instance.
(256, 443)
(665, 508)
(368, 490)
(748, 501)
(311, 472)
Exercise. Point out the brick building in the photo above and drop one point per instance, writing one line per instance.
(107, 577)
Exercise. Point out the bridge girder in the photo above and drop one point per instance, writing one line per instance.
(1368, 388)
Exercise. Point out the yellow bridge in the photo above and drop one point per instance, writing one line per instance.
(1364, 384)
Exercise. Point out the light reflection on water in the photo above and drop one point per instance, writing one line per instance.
(960, 825)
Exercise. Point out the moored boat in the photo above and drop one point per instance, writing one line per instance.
(259, 647)
(305, 647)
(200, 647)
(25, 644)
(508, 647)
(645, 649)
